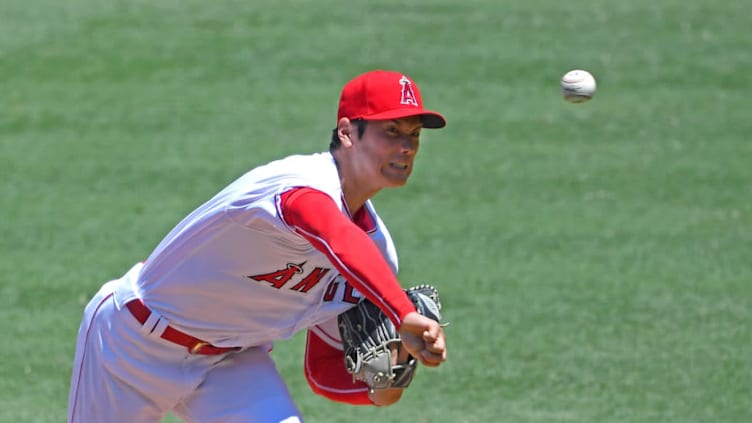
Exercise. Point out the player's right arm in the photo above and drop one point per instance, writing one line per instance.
(316, 217)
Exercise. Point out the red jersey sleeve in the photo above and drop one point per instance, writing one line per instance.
(317, 218)
(326, 373)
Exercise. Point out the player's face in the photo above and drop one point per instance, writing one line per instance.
(388, 149)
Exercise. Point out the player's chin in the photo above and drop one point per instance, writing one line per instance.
(396, 177)
(398, 183)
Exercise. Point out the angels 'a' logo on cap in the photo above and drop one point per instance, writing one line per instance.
(408, 94)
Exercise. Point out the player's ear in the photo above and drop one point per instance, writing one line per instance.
(346, 130)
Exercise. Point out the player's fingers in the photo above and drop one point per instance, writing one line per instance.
(433, 333)
(434, 352)
(430, 346)
(432, 359)
(413, 344)
(437, 346)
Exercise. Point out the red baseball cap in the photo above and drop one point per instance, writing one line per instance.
(384, 95)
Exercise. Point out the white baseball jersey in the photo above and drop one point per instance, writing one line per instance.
(233, 273)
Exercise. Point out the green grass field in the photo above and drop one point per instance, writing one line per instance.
(595, 260)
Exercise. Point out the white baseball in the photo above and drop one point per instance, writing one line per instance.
(578, 86)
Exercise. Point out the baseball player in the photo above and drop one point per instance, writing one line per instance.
(288, 246)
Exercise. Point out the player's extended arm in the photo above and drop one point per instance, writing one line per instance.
(316, 217)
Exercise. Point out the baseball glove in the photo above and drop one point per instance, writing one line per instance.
(370, 339)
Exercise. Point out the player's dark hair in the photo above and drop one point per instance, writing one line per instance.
(335, 143)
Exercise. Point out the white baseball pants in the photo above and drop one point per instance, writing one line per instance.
(123, 374)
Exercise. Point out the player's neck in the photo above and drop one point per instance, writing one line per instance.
(355, 192)
(355, 199)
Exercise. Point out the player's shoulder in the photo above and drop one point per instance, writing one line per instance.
(301, 164)
(317, 170)
(322, 158)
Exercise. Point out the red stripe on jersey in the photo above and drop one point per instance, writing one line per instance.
(362, 218)
(316, 217)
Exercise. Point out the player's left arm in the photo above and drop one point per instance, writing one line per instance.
(326, 374)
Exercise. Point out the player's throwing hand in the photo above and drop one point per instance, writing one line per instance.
(424, 339)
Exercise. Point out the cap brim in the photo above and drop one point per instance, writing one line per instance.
(430, 118)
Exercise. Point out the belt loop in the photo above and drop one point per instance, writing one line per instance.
(150, 324)
(159, 327)
(155, 325)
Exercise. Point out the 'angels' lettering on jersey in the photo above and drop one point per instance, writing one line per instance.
(281, 277)
(347, 294)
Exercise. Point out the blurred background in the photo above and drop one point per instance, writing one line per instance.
(594, 260)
